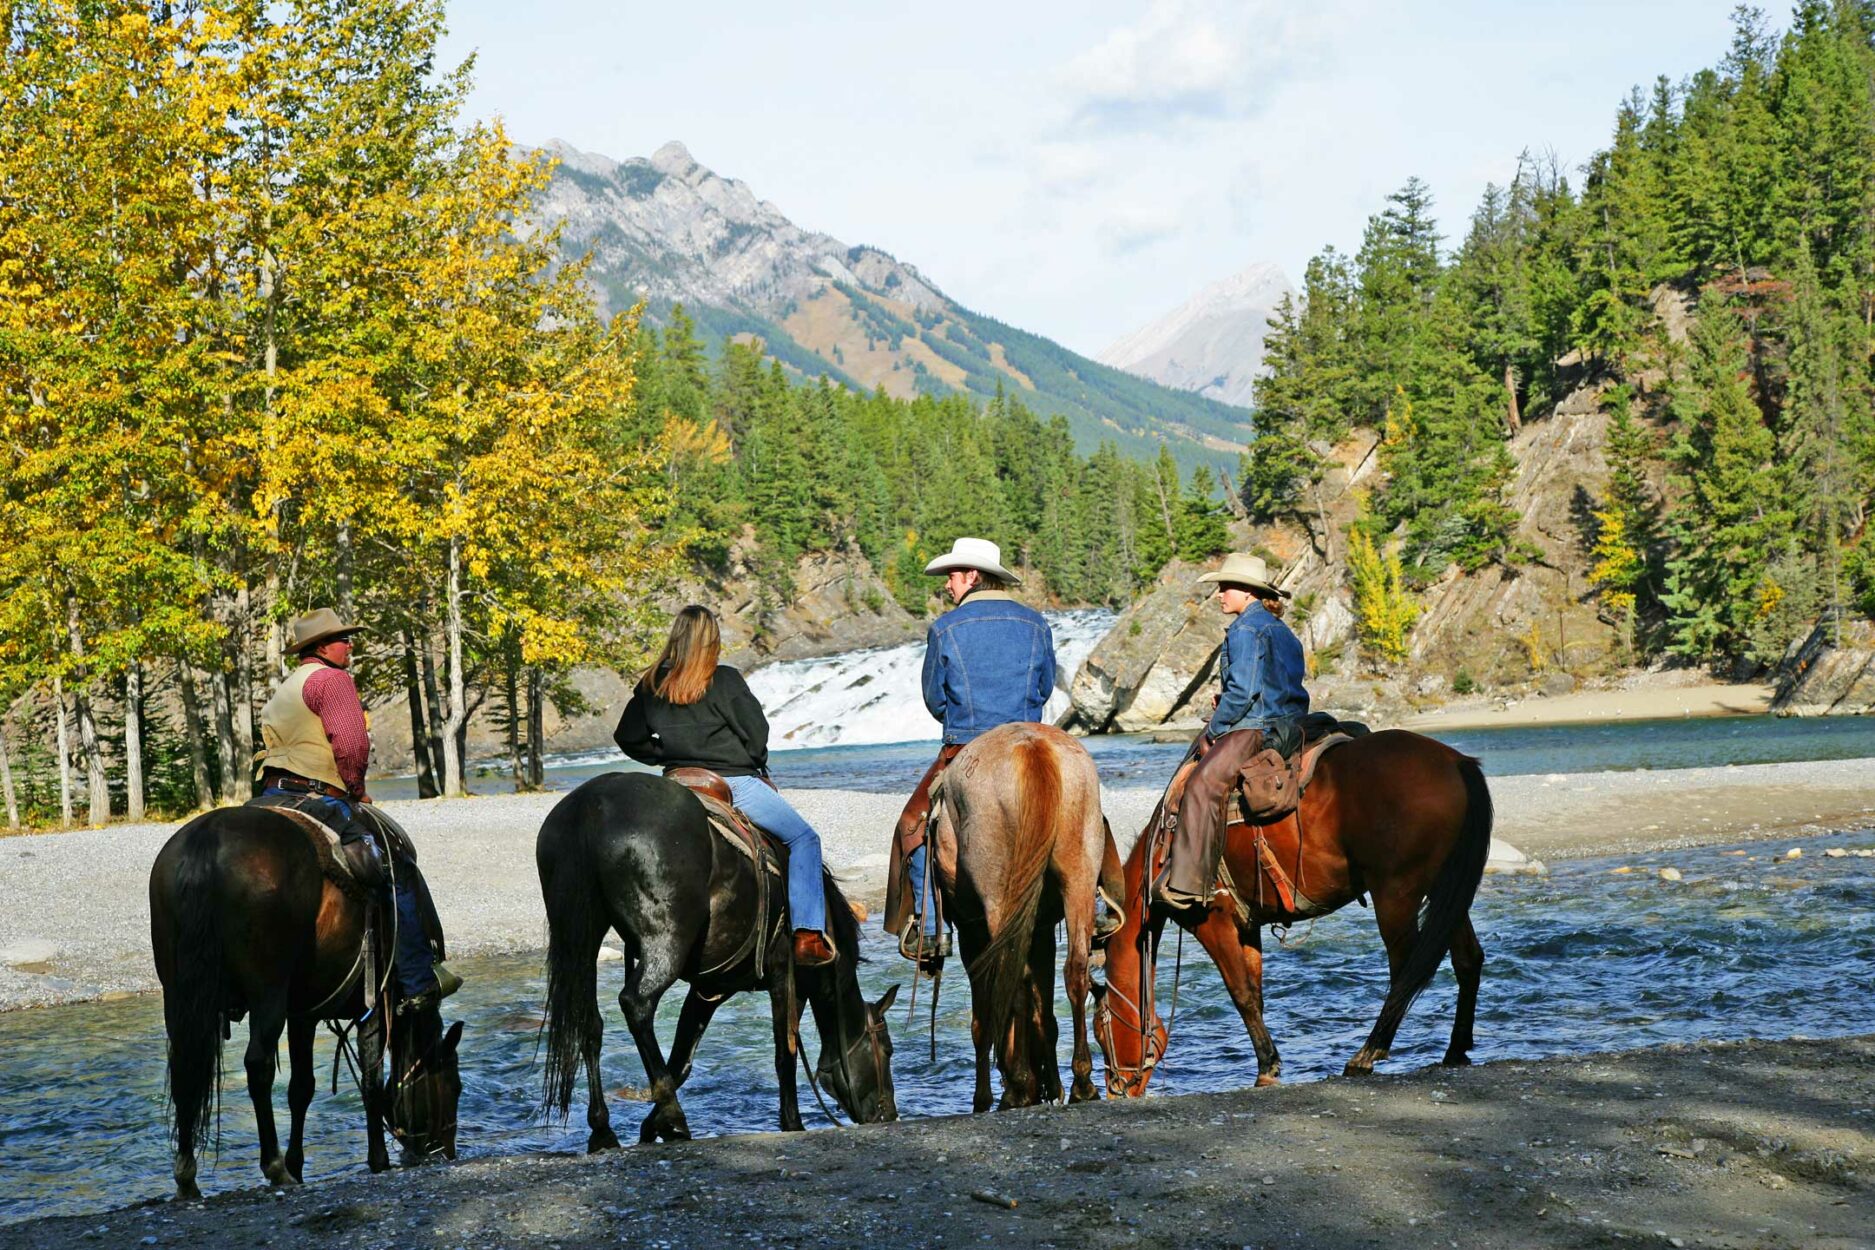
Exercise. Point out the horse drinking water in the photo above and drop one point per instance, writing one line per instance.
(251, 914)
(1017, 841)
(1394, 815)
(635, 853)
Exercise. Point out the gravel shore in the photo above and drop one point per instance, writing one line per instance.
(74, 913)
(1751, 1144)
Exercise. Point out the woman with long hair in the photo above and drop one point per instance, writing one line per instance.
(688, 711)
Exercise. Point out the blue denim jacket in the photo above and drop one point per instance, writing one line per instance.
(1262, 672)
(987, 662)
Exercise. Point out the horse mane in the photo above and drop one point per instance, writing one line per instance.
(840, 919)
(1002, 965)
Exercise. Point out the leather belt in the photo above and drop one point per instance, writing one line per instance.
(304, 785)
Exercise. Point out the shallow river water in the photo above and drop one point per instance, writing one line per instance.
(1746, 945)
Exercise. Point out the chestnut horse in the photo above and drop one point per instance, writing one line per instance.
(1017, 839)
(1392, 814)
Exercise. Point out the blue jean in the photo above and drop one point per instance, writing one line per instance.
(920, 905)
(807, 895)
(413, 957)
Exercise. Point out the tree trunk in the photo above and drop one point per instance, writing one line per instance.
(65, 753)
(6, 778)
(342, 570)
(1510, 393)
(241, 701)
(133, 741)
(433, 711)
(221, 696)
(98, 784)
(536, 739)
(192, 727)
(511, 695)
(455, 721)
(419, 725)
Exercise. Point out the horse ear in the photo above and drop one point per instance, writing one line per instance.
(452, 1037)
(886, 1000)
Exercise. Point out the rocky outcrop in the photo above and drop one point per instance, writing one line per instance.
(1831, 674)
(1153, 667)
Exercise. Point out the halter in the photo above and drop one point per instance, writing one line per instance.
(869, 1035)
(400, 1090)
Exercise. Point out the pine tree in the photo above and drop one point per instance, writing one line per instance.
(1202, 530)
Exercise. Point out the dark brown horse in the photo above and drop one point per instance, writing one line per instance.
(1017, 850)
(244, 919)
(1393, 815)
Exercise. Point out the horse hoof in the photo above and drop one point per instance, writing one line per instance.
(601, 1139)
(277, 1175)
(188, 1191)
(1456, 1059)
(1084, 1091)
(1268, 1079)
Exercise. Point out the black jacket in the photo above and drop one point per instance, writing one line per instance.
(724, 731)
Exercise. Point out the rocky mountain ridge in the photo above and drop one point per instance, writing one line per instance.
(1212, 344)
(668, 230)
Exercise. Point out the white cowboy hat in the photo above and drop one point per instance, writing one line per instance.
(1246, 570)
(974, 553)
(315, 628)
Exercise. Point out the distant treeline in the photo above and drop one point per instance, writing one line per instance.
(269, 341)
(1742, 456)
(817, 467)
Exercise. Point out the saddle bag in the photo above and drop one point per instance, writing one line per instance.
(1272, 785)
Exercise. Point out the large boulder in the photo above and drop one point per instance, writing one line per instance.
(1831, 674)
(1155, 665)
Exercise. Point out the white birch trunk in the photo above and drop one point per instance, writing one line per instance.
(458, 701)
(133, 741)
(65, 753)
(6, 779)
(98, 784)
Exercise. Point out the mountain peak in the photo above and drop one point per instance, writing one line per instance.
(1213, 342)
(673, 159)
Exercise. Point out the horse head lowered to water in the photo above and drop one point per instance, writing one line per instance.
(1394, 815)
(635, 853)
(246, 917)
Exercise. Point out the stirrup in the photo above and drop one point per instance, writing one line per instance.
(927, 950)
(1108, 919)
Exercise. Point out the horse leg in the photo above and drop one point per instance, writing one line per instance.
(691, 1022)
(653, 973)
(1080, 982)
(784, 1010)
(299, 1091)
(1043, 1068)
(371, 1046)
(1468, 967)
(598, 1118)
(1398, 918)
(265, 1022)
(1239, 960)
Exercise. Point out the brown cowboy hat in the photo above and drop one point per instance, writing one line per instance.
(320, 625)
(1248, 571)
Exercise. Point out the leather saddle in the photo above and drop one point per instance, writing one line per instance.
(730, 824)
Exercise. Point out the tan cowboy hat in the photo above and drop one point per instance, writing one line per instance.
(974, 553)
(1245, 570)
(321, 625)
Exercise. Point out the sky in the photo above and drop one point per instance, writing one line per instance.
(1080, 168)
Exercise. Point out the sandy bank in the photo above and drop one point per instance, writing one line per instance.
(74, 916)
(1748, 1144)
(1639, 702)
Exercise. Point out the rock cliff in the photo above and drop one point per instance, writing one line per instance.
(1211, 344)
(1832, 673)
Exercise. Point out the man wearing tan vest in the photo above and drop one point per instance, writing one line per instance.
(317, 746)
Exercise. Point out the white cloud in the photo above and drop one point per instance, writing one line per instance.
(1196, 59)
(1128, 230)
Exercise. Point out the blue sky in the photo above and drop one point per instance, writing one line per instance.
(1078, 169)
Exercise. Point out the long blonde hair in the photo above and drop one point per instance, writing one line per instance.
(682, 671)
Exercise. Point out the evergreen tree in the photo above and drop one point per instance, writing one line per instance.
(1203, 522)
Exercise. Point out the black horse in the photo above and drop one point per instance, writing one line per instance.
(634, 852)
(244, 918)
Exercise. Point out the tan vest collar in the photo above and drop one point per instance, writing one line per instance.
(974, 595)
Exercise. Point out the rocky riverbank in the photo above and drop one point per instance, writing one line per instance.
(1751, 1144)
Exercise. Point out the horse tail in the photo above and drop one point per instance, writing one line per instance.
(576, 923)
(1447, 903)
(192, 1003)
(1001, 965)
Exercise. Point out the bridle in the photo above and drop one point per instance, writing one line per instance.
(405, 1091)
(871, 1036)
(1122, 1079)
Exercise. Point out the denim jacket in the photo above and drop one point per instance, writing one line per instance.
(1261, 673)
(988, 661)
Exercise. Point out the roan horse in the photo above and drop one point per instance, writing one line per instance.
(634, 852)
(1017, 846)
(244, 918)
(1392, 814)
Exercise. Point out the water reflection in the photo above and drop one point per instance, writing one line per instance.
(1581, 960)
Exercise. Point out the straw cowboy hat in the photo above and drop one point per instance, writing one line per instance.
(974, 553)
(1245, 570)
(322, 625)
